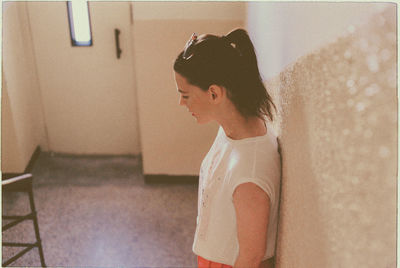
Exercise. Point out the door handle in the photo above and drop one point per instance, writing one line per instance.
(119, 51)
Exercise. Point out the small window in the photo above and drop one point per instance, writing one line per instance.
(79, 23)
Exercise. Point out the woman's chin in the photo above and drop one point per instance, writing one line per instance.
(200, 120)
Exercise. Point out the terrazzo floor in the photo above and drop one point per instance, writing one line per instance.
(98, 212)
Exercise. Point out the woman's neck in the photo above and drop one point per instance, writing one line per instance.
(238, 127)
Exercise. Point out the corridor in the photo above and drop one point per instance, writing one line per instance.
(97, 212)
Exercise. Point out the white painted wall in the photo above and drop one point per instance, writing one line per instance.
(285, 31)
(190, 10)
(172, 142)
(89, 95)
(22, 115)
(86, 119)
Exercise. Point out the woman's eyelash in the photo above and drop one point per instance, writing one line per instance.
(185, 97)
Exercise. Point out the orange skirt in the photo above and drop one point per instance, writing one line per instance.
(203, 263)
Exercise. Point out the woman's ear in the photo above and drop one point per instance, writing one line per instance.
(216, 93)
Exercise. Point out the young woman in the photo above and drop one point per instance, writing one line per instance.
(218, 79)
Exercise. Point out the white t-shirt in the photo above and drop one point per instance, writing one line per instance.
(228, 164)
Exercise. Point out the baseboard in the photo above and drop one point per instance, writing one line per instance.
(170, 179)
(34, 157)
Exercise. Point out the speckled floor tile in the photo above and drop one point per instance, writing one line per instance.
(97, 212)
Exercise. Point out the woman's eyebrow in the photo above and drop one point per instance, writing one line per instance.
(181, 91)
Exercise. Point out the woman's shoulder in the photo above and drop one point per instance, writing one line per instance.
(267, 143)
(258, 155)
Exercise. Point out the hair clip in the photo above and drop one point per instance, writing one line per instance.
(189, 43)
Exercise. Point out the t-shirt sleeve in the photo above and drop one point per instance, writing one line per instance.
(265, 184)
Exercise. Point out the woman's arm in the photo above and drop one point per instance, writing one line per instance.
(252, 212)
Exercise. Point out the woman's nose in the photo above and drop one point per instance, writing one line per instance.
(181, 101)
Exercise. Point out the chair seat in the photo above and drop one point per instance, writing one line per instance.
(21, 183)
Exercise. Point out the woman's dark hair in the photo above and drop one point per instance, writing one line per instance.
(229, 61)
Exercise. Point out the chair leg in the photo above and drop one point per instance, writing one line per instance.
(36, 226)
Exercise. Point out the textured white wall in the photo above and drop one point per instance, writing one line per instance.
(338, 133)
(282, 32)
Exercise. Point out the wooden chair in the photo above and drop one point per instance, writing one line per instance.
(21, 183)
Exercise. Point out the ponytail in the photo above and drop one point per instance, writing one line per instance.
(242, 43)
